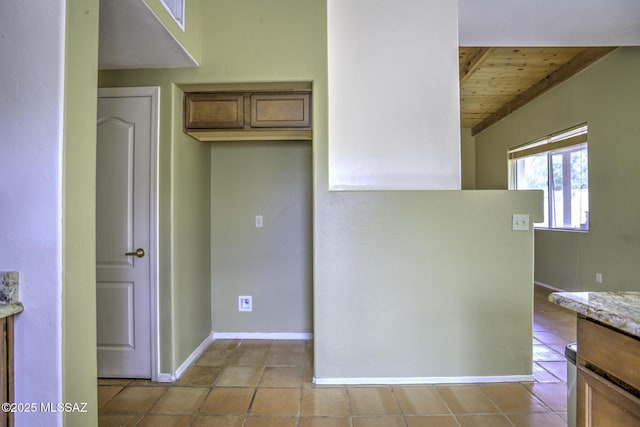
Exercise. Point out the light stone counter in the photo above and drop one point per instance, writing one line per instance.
(620, 310)
(7, 310)
(9, 305)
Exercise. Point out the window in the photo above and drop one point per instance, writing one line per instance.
(558, 165)
(176, 9)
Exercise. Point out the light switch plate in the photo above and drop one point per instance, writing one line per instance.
(520, 222)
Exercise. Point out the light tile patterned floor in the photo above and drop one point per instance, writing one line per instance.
(268, 384)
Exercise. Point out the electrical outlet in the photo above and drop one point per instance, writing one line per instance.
(598, 277)
(520, 222)
(245, 303)
(259, 221)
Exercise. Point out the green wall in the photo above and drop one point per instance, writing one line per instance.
(605, 96)
(386, 265)
(79, 369)
(468, 159)
(191, 245)
(438, 274)
(189, 38)
(278, 47)
(273, 264)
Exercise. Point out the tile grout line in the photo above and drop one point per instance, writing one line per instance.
(395, 399)
(497, 406)
(455, 419)
(301, 389)
(349, 412)
(151, 406)
(112, 397)
(197, 412)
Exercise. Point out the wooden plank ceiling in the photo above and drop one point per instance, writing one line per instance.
(495, 81)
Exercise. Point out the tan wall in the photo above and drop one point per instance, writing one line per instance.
(605, 96)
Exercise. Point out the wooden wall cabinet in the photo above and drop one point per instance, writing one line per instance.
(224, 116)
(608, 383)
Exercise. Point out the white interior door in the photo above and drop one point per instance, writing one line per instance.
(124, 234)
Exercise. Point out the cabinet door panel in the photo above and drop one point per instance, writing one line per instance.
(602, 403)
(214, 111)
(280, 110)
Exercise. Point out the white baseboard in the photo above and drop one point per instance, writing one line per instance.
(262, 336)
(165, 378)
(423, 380)
(192, 358)
(168, 378)
(553, 288)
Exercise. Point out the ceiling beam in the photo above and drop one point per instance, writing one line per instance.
(474, 60)
(578, 63)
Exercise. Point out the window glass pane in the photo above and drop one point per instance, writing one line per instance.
(175, 8)
(569, 204)
(557, 191)
(532, 174)
(580, 189)
(557, 165)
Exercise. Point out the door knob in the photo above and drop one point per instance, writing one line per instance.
(139, 253)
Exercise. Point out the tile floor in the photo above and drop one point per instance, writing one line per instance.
(268, 384)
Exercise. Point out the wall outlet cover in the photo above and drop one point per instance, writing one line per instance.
(245, 303)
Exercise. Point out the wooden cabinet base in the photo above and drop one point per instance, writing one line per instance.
(601, 403)
(610, 351)
(6, 369)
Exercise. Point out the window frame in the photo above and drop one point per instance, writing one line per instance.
(170, 6)
(568, 141)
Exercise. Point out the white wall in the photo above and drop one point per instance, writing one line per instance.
(31, 84)
(572, 23)
(393, 95)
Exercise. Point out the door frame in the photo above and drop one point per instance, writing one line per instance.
(152, 92)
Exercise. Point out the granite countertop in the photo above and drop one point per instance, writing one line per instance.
(620, 310)
(7, 310)
(9, 304)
